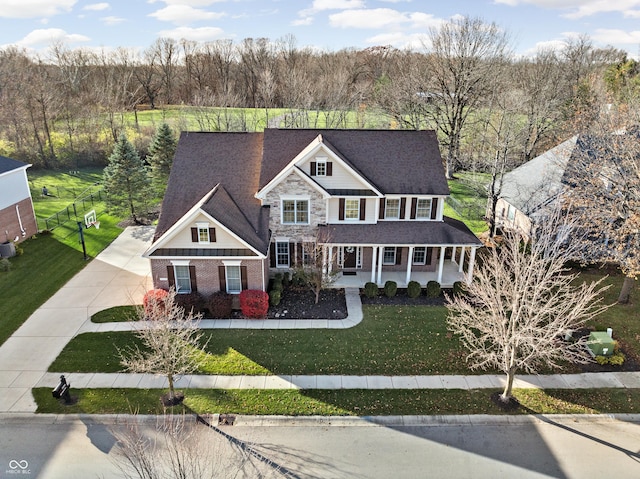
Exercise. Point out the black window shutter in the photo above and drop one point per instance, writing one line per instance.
(313, 168)
(272, 255)
(243, 277)
(434, 208)
(414, 207)
(398, 255)
(429, 255)
(212, 234)
(171, 277)
(223, 279)
(329, 168)
(292, 251)
(382, 203)
(299, 256)
(363, 209)
(341, 209)
(194, 235)
(192, 277)
(403, 207)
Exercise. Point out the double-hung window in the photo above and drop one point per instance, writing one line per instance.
(392, 208)
(420, 255)
(423, 208)
(295, 212)
(389, 256)
(321, 167)
(182, 278)
(203, 232)
(282, 254)
(352, 209)
(234, 279)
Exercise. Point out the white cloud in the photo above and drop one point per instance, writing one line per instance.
(184, 14)
(97, 7)
(189, 3)
(320, 5)
(381, 18)
(614, 36)
(34, 8)
(50, 35)
(303, 21)
(578, 8)
(111, 21)
(204, 34)
(401, 40)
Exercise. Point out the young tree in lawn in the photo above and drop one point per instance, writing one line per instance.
(172, 343)
(523, 299)
(161, 151)
(125, 179)
(314, 266)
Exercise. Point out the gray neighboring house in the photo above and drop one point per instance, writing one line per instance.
(240, 206)
(529, 191)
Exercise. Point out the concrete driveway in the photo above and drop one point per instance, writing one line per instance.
(119, 275)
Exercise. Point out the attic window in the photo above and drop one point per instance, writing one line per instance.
(321, 167)
(203, 234)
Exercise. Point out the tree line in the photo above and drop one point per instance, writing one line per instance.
(69, 106)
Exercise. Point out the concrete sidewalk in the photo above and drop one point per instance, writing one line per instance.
(119, 276)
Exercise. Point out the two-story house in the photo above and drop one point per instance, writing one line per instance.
(240, 206)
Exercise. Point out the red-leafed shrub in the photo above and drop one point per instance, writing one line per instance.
(191, 302)
(254, 303)
(221, 305)
(154, 298)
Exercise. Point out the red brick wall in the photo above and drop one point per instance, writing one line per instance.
(207, 273)
(10, 226)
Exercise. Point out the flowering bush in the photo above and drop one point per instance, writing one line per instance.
(254, 303)
(154, 298)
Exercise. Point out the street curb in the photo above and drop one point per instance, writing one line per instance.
(327, 421)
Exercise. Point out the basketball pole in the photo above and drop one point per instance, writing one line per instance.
(81, 233)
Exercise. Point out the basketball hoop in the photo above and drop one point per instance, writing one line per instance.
(96, 224)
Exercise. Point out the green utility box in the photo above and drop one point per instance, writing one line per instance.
(601, 344)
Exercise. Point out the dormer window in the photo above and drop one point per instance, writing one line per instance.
(203, 234)
(321, 167)
(392, 208)
(423, 208)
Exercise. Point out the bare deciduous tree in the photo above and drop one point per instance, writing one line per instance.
(314, 267)
(173, 342)
(522, 301)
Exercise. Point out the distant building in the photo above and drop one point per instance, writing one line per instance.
(17, 217)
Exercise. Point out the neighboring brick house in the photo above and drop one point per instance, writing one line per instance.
(17, 217)
(239, 207)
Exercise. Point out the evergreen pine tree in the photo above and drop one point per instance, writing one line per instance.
(161, 151)
(125, 179)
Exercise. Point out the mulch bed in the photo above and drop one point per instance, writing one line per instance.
(299, 303)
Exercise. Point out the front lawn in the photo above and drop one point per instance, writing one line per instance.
(390, 340)
(343, 402)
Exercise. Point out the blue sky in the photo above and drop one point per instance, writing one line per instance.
(322, 24)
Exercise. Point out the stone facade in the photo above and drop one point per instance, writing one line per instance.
(294, 186)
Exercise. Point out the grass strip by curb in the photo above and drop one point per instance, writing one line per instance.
(351, 402)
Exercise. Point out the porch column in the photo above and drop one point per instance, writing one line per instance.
(374, 252)
(330, 264)
(380, 257)
(461, 262)
(441, 264)
(472, 258)
(409, 261)
(453, 254)
(325, 268)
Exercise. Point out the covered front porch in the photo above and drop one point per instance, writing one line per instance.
(450, 274)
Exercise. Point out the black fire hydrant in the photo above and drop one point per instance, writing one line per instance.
(62, 390)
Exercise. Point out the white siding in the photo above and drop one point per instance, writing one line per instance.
(14, 187)
(223, 239)
(370, 213)
(341, 178)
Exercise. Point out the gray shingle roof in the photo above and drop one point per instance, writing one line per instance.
(9, 164)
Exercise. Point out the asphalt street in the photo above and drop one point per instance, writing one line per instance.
(564, 447)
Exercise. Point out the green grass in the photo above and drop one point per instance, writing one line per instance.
(116, 314)
(472, 201)
(34, 277)
(344, 402)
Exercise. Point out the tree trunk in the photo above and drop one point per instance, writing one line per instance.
(506, 394)
(172, 392)
(625, 291)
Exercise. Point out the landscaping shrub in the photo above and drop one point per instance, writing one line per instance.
(153, 298)
(616, 359)
(275, 296)
(277, 284)
(191, 302)
(370, 289)
(5, 264)
(433, 289)
(390, 289)
(414, 289)
(458, 288)
(220, 305)
(298, 279)
(286, 279)
(254, 303)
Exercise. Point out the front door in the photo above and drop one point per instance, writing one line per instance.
(349, 257)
